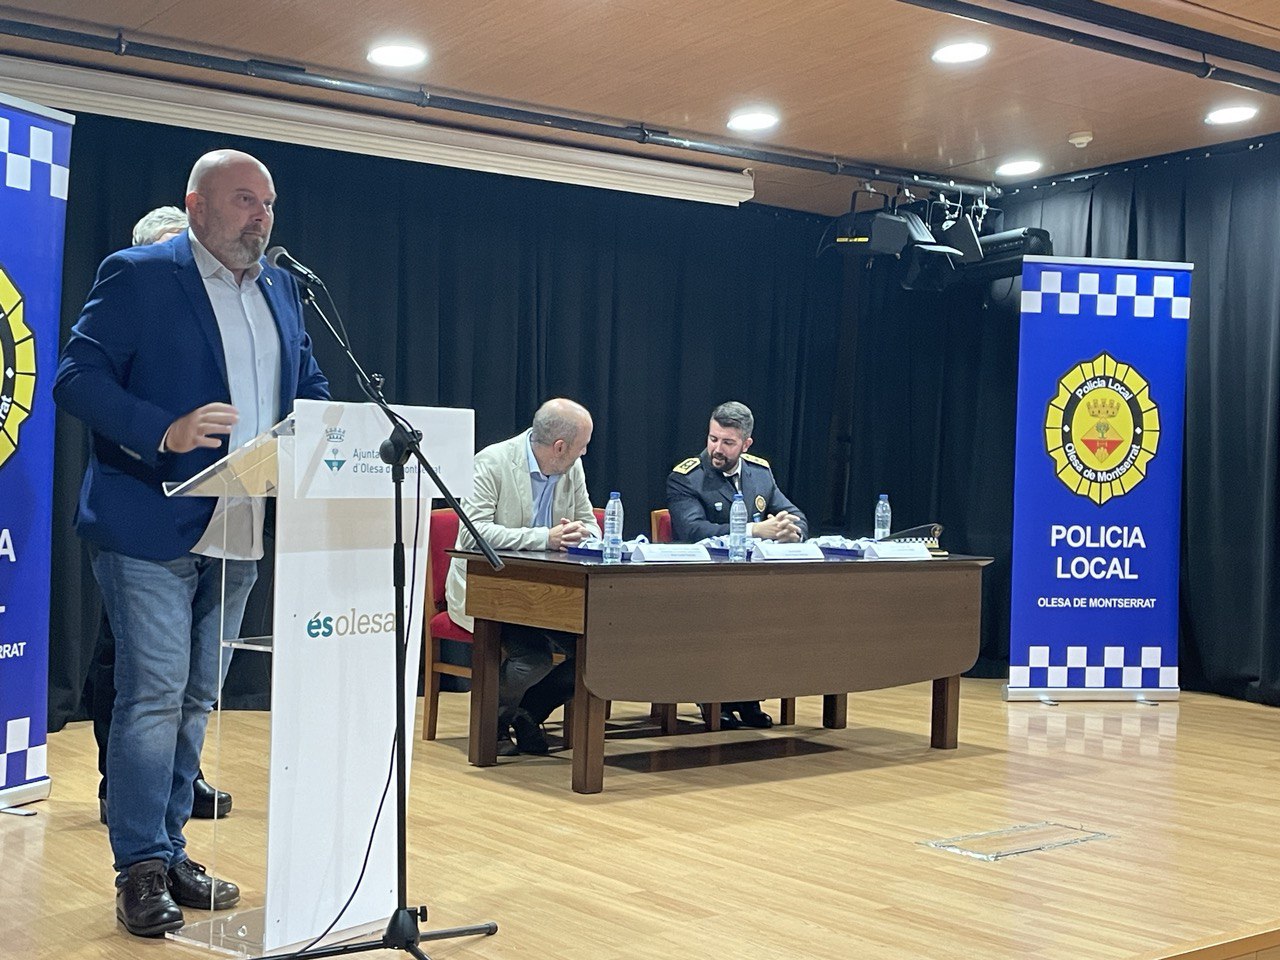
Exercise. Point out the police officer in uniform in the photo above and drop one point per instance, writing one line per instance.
(700, 491)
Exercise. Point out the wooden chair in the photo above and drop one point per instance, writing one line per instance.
(665, 713)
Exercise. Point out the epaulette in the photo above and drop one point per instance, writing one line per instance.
(686, 466)
(752, 458)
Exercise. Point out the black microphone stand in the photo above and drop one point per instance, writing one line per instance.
(402, 931)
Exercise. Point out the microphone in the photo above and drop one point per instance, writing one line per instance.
(279, 257)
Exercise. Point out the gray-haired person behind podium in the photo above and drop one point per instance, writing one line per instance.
(183, 350)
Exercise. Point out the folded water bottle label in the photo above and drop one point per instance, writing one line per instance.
(772, 550)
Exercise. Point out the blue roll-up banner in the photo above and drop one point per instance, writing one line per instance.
(1098, 480)
(35, 153)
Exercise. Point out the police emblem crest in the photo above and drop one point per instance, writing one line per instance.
(17, 366)
(761, 503)
(1102, 428)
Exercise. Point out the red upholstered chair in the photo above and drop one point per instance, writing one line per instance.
(660, 526)
(608, 704)
(437, 625)
(665, 713)
(660, 532)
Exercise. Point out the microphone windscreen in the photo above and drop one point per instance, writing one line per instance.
(274, 255)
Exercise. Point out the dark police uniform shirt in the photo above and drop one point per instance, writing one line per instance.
(699, 496)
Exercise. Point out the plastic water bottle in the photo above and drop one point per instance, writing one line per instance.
(738, 529)
(613, 529)
(883, 516)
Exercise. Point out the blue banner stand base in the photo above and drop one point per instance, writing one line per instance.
(26, 793)
(1115, 694)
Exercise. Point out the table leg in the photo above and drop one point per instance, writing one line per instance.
(588, 732)
(486, 656)
(787, 716)
(665, 715)
(711, 717)
(835, 711)
(946, 713)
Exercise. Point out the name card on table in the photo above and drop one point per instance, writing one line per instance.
(772, 550)
(892, 550)
(670, 553)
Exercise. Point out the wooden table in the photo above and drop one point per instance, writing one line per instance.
(689, 633)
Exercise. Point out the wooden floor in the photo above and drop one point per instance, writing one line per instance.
(812, 850)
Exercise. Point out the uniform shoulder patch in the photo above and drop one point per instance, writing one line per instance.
(686, 466)
(752, 458)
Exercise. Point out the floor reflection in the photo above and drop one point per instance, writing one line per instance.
(1108, 730)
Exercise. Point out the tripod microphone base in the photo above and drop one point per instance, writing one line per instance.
(402, 931)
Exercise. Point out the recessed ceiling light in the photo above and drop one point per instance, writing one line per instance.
(1018, 168)
(960, 52)
(397, 55)
(752, 119)
(1231, 115)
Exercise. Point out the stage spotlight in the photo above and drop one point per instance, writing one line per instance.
(886, 232)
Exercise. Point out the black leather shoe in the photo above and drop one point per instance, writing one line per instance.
(529, 738)
(753, 716)
(209, 803)
(143, 902)
(506, 746)
(190, 886)
(728, 721)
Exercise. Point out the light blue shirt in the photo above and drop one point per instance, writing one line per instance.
(251, 345)
(543, 487)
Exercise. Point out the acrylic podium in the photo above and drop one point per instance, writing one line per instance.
(332, 720)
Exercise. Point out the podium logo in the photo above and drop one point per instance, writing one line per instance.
(351, 623)
(1102, 428)
(17, 366)
(335, 436)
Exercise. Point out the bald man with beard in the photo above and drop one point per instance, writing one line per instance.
(184, 350)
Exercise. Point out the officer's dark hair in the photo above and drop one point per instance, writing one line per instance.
(735, 416)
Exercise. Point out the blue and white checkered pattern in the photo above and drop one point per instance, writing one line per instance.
(19, 756)
(1044, 671)
(32, 166)
(1108, 293)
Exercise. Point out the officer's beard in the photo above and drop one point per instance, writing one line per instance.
(723, 463)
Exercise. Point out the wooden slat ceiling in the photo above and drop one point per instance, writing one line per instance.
(850, 78)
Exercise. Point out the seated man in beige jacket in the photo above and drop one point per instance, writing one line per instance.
(530, 493)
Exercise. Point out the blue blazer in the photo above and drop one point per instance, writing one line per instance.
(145, 351)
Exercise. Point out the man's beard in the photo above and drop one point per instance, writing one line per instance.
(726, 466)
(249, 247)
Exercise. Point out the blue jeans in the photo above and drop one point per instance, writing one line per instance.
(168, 618)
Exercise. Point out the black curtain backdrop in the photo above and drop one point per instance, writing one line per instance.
(476, 290)
(930, 418)
(932, 406)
